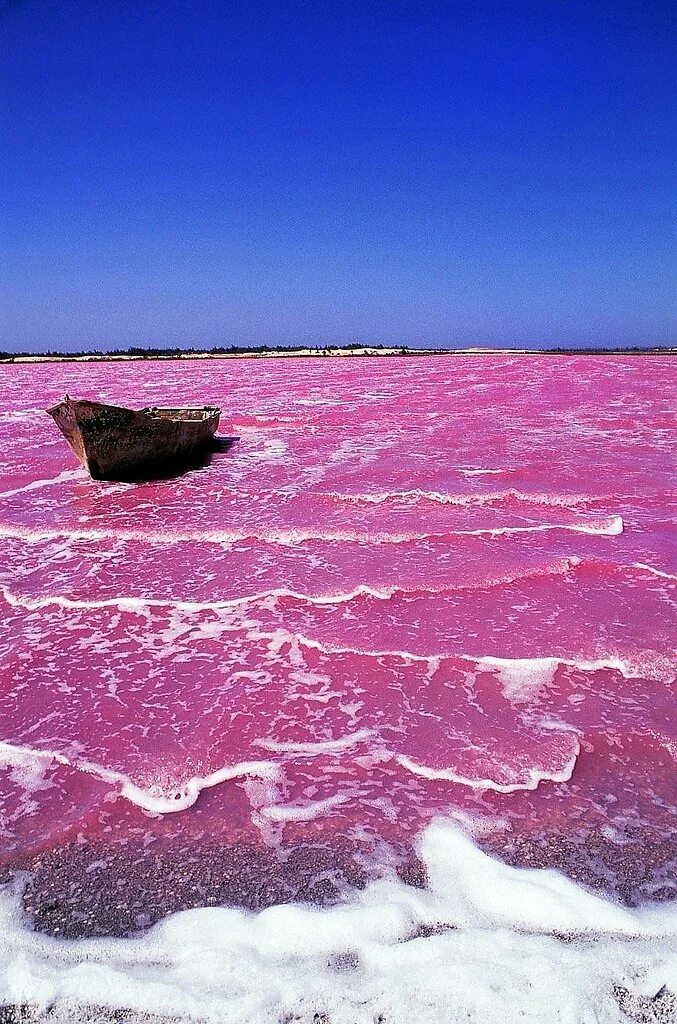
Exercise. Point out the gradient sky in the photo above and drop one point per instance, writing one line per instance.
(201, 173)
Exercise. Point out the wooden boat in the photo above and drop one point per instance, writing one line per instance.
(115, 443)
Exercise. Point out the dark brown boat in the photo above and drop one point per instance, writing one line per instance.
(115, 443)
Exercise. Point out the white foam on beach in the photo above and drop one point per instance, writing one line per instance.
(523, 679)
(30, 774)
(612, 526)
(485, 943)
(316, 401)
(166, 799)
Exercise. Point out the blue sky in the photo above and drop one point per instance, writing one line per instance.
(192, 172)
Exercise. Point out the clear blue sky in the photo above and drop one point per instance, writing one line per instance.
(201, 173)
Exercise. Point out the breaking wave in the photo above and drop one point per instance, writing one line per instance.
(169, 796)
(449, 498)
(534, 777)
(608, 526)
(130, 603)
(156, 797)
(657, 668)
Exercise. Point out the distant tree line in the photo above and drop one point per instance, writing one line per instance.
(151, 351)
(138, 352)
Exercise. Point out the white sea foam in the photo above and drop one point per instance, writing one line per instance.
(534, 777)
(138, 604)
(655, 572)
(303, 812)
(35, 485)
(157, 797)
(522, 678)
(31, 774)
(165, 799)
(612, 526)
(609, 526)
(485, 943)
(320, 746)
(448, 498)
(628, 669)
(316, 401)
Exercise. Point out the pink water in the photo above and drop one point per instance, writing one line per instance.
(412, 588)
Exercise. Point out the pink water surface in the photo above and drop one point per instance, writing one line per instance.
(413, 587)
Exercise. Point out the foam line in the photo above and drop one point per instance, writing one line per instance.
(655, 572)
(187, 794)
(137, 604)
(303, 812)
(509, 669)
(153, 798)
(534, 778)
(611, 526)
(320, 747)
(447, 498)
(284, 538)
(521, 678)
(663, 671)
(67, 474)
(281, 636)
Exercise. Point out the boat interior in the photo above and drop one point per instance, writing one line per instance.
(202, 412)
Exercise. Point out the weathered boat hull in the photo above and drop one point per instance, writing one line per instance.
(115, 443)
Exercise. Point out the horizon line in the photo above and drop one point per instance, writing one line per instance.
(139, 353)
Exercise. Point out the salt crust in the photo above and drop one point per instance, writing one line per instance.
(485, 943)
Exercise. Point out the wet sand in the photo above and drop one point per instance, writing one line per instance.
(89, 889)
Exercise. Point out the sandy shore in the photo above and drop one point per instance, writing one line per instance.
(67, 1013)
(97, 357)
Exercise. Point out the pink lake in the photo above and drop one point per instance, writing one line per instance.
(414, 588)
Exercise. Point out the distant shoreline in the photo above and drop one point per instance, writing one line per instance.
(139, 355)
